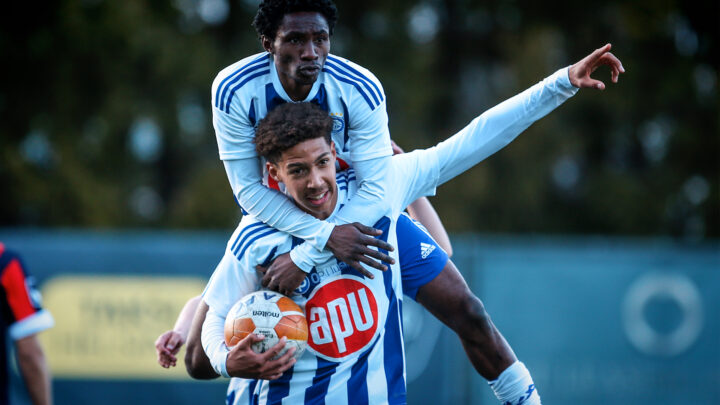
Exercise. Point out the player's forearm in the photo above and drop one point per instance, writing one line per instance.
(34, 369)
(185, 318)
(500, 125)
(272, 207)
(369, 203)
(423, 212)
(213, 341)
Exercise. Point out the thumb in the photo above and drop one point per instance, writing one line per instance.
(175, 342)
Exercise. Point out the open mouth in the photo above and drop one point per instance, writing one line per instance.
(319, 199)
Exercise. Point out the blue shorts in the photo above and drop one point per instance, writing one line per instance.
(421, 258)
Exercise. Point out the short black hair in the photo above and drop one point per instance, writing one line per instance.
(271, 12)
(288, 125)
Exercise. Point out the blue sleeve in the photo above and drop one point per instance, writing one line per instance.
(421, 258)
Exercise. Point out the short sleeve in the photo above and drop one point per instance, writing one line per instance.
(22, 306)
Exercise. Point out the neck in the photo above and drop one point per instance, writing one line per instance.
(295, 90)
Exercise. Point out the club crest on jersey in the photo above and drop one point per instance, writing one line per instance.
(342, 316)
(338, 124)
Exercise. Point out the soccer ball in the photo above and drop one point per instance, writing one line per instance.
(270, 314)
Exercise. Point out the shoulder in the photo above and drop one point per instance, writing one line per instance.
(253, 240)
(351, 76)
(239, 76)
(6, 257)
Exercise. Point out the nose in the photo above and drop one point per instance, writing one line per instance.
(315, 180)
(309, 51)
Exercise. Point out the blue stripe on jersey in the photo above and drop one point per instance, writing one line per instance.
(270, 257)
(251, 113)
(315, 394)
(359, 393)
(272, 98)
(349, 75)
(280, 388)
(362, 76)
(221, 92)
(354, 83)
(230, 398)
(255, 392)
(393, 361)
(346, 117)
(239, 86)
(251, 241)
(243, 242)
(246, 229)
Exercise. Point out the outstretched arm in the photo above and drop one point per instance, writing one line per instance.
(500, 125)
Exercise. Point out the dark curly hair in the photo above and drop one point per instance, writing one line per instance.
(271, 12)
(288, 125)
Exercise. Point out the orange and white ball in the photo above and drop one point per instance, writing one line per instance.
(270, 314)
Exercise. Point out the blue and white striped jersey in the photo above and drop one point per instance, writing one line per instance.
(355, 349)
(355, 353)
(243, 93)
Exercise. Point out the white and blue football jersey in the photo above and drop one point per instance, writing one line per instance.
(355, 345)
(243, 93)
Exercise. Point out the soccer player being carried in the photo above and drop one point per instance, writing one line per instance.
(355, 347)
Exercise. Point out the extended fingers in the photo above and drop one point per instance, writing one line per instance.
(367, 229)
(380, 244)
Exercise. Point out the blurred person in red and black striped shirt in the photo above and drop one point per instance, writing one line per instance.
(22, 318)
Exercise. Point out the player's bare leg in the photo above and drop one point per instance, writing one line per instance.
(450, 300)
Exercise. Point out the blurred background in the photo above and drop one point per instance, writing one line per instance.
(592, 239)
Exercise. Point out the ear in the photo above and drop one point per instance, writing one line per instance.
(267, 44)
(332, 150)
(273, 171)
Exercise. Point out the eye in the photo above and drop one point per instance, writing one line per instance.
(295, 41)
(296, 172)
(323, 162)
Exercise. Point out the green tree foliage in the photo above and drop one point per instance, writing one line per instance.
(106, 116)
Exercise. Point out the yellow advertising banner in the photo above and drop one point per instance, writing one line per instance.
(106, 326)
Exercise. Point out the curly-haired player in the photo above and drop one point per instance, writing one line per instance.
(355, 347)
(297, 66)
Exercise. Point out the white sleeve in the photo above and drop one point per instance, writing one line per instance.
(235, 133)
(213, 341)
(271, 206)
(500, 125)
(485, 135)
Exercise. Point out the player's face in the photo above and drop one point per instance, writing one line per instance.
(300, 47)
(308, 172)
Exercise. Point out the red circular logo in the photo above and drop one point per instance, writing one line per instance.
(342, 318)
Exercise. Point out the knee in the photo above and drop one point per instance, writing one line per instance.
(475, 319)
